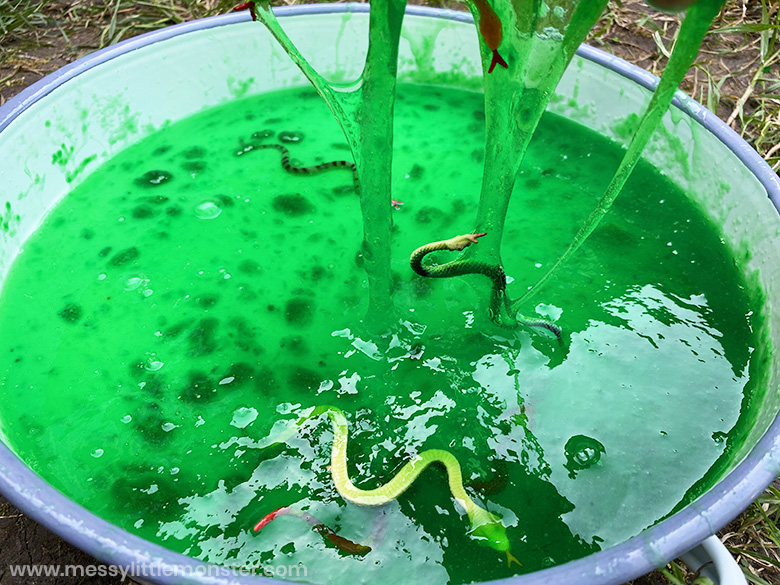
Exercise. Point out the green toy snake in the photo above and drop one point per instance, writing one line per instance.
(498, 298)
(484, 525)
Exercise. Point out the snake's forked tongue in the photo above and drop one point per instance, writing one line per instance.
(497, 60)
(510, 558)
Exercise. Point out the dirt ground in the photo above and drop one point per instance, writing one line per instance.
(724, 79)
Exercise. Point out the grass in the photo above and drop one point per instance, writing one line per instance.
(756, 109)
(755, 539)
(737, 76)
(19, 15)
(738, 72)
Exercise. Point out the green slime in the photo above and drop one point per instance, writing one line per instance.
(539, 41)
(184, 303)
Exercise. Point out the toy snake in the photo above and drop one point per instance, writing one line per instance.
(498, 298)
(484, 525)
(342, 544)
(287, 165)
(490, 29)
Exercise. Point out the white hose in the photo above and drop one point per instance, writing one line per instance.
(715, 562)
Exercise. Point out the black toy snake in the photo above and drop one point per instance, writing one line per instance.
(498, 298)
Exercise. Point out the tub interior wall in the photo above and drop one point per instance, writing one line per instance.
(58, 141)
(711, 174)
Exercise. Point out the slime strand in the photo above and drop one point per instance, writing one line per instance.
(485, 526)
(692, 31)
(514, 105)
(374, 156)
(365, 114)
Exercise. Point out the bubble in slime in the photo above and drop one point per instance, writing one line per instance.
(366, 117)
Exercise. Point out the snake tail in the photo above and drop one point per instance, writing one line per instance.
(499, 303)
(344, 545)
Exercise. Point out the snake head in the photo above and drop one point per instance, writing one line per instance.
(460, 242)
(489, 530)
(493, 534)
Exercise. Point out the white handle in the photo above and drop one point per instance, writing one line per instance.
(722, 570)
